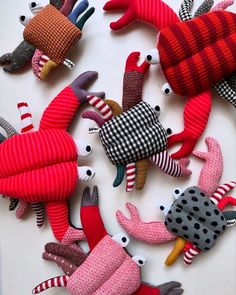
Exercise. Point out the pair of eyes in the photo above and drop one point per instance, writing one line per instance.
(34, 8)
(123, 240)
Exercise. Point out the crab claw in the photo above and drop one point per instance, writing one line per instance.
(151, 232)
(80, 83)
(170, 288)
(86, 173)
(131, 63)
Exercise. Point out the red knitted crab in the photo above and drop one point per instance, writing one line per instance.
(41, 166)
(193, 55)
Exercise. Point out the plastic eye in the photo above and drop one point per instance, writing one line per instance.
(165, 208)
(139, 260)
(158, 110)
(177, 192)
(122, 239)
(153, 57)
(24, 19)
(35, 7)
(168, 131)
(83, 148)
(166, 89)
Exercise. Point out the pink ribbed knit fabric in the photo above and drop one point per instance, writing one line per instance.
(150, 233)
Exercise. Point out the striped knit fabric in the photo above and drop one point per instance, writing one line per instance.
(26, 117)
(221, 191)
(190, 254)
(40, 164)
(198, 53)
(166, 164)
(54, 282)
(39, 211)
(61, 111)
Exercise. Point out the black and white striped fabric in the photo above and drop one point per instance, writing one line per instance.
(134, 135)
(184, 12)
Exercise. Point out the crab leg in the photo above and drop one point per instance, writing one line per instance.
(168, 165)
(204, 7)
(130, 176)
(179, 246)
(151, 232)
(67, 7)
(226, 201)
(170, 288)
(80, 8)
(223, 5)
(57, 3)
(60, 281)
(90, 218)
(157, 13)
(219, 194)
(190, 254)
(9, 129)
(196, 113)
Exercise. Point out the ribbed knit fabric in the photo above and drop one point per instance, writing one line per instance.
(40, 163)
(147, 290)
(61, 111)
(196, 113)
(58, 216)
(52, 33)
(154, 12)
(198, 53)
(151, 233)
(212, 170)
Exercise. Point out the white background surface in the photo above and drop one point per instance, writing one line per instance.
(21, 242)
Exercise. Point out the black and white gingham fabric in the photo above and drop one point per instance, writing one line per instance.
(184, 12)
(134, 135)
(223, 89)
(204, 7)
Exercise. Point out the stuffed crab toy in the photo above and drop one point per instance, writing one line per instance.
(132, 135)
(107, 269)
(193, 56)
(196, 217)
(49, 37)
(42, 166)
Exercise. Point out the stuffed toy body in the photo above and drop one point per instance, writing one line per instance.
(132, 135)
(49, 37)
(108, 269)
(196, 217)
(193, 56)
(43, 164)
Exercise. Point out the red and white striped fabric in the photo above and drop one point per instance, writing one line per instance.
(130, 176)
(221, 191)
(42, 61)
(100, 105)
(190, 254)
(26, 117)
(60, 281)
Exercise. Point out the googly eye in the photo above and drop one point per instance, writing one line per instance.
(165, 208)
(122, 239)
(35, 7)
(168, 131)
(83, 148)
(177, 192)
(24, 20)
(158, 110)
(166, 89)
(139, 260)
(153, 57)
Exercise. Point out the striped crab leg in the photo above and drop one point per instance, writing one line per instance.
(60, 281)
(130, 176)
(221, 191)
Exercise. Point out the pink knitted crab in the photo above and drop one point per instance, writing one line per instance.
(193, 56)
(41, 166)
(108, 269)
(132, 134)
(196, 217)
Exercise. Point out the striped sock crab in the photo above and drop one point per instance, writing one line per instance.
(132, 135)
(196, 217)
(43, 164)
(191, 57)
(43, 31)
(108, 269)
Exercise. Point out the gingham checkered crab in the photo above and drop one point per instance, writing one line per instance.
(42, 166)
(133, 137)
(108, 269)
(187, 53)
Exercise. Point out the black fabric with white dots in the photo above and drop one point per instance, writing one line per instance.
(134, 135)
(194, 217)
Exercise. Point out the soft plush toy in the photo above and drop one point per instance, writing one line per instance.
(132, 135)
(42, 166)
(108, 269)
(196, 217)
(49, 37)
(191, 57)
